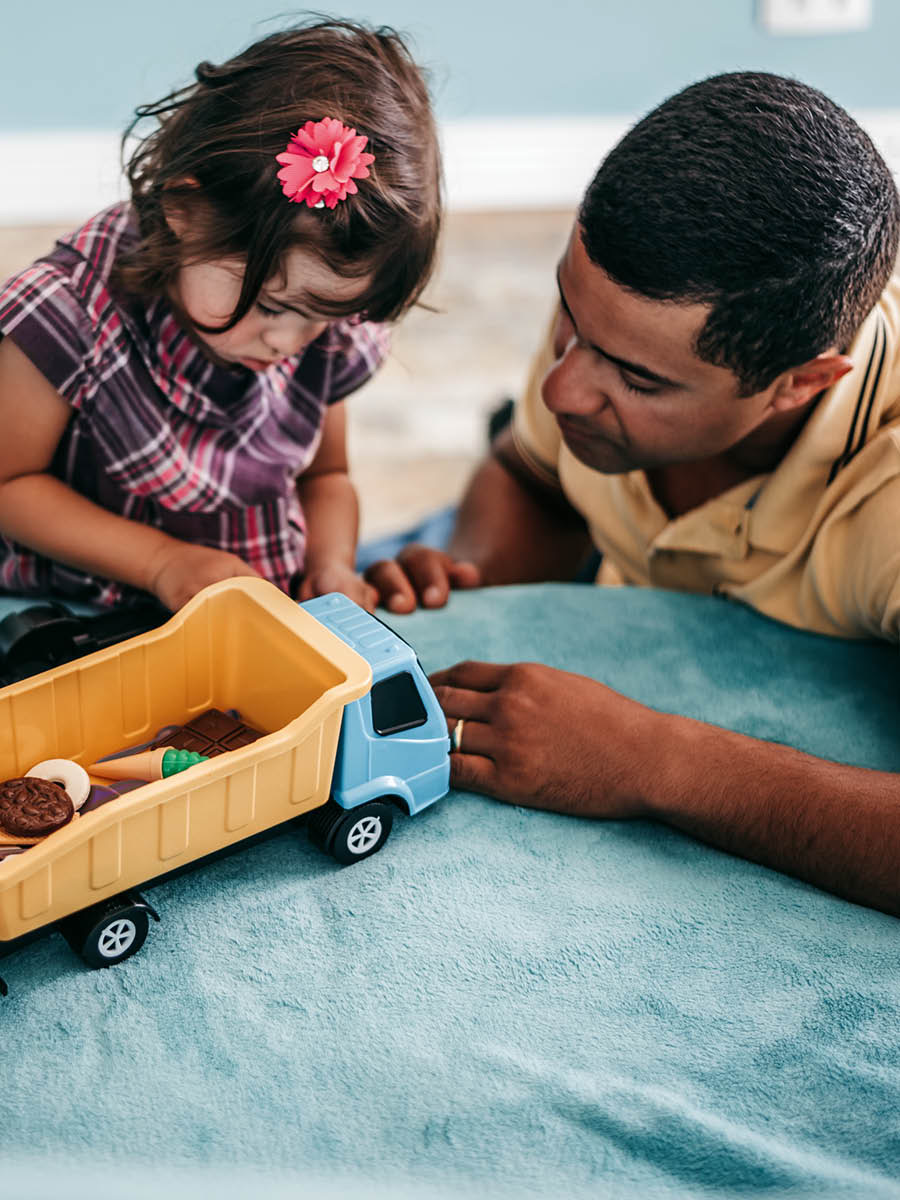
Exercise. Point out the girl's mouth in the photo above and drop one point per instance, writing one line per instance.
(256, 364)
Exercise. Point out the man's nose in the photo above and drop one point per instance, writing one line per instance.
(567, 387)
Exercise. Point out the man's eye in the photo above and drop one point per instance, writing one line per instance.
(269, 312)
(642, 389)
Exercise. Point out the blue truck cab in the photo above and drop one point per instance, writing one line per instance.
(394, 747)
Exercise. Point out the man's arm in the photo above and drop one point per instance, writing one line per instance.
(515, 527)
(832, 825)
(511, 528)
(550, 739)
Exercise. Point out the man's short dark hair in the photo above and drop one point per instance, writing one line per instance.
(761, 197)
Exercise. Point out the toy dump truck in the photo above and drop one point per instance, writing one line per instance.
(349, 731)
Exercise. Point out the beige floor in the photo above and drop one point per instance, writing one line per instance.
(418, 427)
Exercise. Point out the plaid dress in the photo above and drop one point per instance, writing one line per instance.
(158, 432)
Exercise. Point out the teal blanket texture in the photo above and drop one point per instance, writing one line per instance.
(502, 1002)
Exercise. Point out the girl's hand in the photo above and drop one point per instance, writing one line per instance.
(338, 577)
(179, 571)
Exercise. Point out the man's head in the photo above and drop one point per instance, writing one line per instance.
(753, 223)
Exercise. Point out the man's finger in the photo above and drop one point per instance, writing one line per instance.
(427, 569)
(476, 676)
(464, 575)
(473, 773)
(394, 588)
(476, 738)
(463, 702)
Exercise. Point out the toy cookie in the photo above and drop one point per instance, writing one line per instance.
(69, 775)
(31, 808)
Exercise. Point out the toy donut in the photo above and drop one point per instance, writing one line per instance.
(68, 775)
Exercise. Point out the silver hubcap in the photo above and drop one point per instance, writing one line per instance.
(117, 937)
(364, 834)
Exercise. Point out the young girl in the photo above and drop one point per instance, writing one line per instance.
(171, 374)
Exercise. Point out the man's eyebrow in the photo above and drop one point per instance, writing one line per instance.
(630, 367)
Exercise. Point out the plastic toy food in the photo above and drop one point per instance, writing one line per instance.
(31, 808)
(69, 775)
(149, 764)
(349, 732)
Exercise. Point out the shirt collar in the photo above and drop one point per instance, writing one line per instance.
(846, 417)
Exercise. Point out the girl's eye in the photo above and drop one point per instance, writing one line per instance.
(268, 312)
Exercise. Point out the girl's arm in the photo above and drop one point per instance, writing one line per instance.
(47, 515)
(331, 511)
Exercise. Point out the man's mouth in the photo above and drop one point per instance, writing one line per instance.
(593, 448)
(574, 431)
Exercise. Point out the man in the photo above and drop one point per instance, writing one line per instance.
(717, 409)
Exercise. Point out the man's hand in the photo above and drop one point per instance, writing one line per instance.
(180, 570)
(545, 738)
(338, 577)
(420, 575)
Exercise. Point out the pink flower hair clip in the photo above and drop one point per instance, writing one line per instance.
(321, 162)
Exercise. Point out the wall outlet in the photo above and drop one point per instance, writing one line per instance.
(814, 16)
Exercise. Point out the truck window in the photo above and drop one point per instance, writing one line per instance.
(397, 705)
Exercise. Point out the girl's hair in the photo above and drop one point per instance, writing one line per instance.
(212, 158)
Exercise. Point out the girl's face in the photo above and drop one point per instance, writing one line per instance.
(280, 323)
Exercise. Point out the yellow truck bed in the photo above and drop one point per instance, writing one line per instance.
(241, 644)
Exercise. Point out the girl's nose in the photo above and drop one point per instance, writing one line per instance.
(292, 337)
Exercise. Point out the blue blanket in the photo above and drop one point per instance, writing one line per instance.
(503, 1002)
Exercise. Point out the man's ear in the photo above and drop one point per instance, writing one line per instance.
(800, 385)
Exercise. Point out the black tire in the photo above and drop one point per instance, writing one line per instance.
(322, 822)
(362, 832)
(350, 836)
(108, 933)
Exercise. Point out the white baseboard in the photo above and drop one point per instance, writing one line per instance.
(535, 163)
(51, 177)
(66, 175)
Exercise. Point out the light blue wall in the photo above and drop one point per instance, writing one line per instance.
(85, 64)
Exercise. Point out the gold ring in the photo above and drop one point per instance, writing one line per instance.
(456, 736)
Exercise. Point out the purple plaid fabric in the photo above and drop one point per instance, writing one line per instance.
(159, 433)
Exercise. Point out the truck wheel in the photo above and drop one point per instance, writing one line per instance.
(354, 835)
(107, 934)
(362, 832)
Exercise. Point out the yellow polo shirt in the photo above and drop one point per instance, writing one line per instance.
(815, 543)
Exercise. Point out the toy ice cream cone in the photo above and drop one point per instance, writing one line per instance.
(149, 764)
